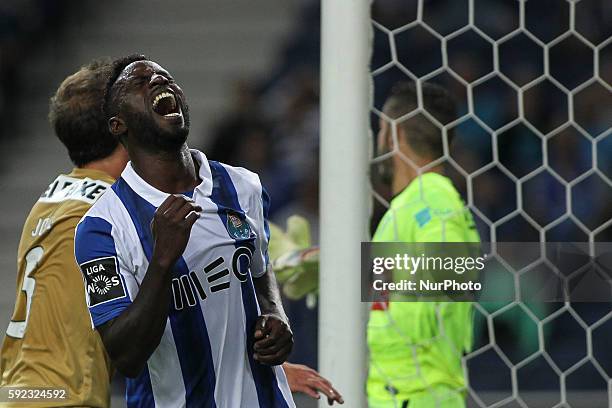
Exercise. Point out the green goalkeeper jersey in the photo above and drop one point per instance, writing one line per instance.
(417, 346)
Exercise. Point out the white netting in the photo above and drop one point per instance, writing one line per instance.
(532, 155)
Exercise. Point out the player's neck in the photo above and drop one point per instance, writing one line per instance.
(170, 172)
(403, 178)
(112, 165)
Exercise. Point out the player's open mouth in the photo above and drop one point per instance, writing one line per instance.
(165, 104)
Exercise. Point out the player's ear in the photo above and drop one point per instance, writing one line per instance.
(116, 126)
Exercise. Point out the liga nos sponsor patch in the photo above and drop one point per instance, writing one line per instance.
(102, 280)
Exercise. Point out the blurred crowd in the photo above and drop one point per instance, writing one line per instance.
(25, 25)
(272, 127)
(273, 130)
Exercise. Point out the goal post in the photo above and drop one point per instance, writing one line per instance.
(344, 197)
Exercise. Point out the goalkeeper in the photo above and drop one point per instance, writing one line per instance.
(416, 347)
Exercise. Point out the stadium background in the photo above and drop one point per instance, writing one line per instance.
(250, 73)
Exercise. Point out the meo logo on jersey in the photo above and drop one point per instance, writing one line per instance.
(186, 287)
(102, 280)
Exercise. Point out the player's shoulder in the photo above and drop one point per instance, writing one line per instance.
(69, 196)
(439, 192)
(241, 178)
(105, 207)
(430, 197)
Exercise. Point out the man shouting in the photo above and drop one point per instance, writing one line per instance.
(174, 259)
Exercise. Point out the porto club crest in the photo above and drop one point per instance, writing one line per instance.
(237, 226)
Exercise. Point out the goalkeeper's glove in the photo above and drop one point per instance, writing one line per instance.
(295, 261)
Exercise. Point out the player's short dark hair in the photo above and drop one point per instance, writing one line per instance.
(111, 102)
(423, 136)
(75, 114)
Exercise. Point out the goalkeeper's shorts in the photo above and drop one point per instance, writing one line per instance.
(436, 397)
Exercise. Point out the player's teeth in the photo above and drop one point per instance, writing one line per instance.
(169, 115)
(164, 95)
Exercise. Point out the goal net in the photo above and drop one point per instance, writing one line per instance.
(532, 158)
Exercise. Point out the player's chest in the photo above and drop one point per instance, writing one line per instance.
(217, 260)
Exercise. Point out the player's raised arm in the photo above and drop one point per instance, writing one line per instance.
(143, 322)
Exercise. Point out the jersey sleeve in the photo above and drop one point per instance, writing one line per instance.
(439, 225)
(106, 275)
(261, 258)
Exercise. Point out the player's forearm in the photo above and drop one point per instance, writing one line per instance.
(133, 336)
(268, 295)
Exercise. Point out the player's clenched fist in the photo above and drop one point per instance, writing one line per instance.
(273, 340)
(171, 226)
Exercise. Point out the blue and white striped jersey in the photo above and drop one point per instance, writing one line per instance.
(205, 355)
